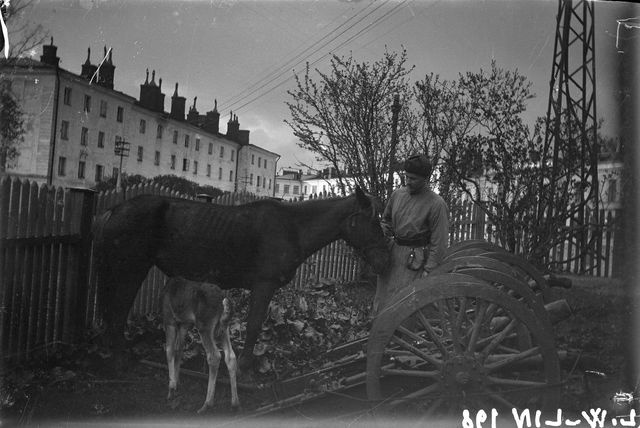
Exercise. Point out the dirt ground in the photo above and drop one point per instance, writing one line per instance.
(80, 388)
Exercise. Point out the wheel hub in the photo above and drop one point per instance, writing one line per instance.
(462, 372)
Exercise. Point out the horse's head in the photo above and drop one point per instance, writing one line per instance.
(361, 229)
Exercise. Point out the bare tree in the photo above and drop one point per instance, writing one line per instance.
(489, 154)
(11, 127)
(24, 34)
(345, 117)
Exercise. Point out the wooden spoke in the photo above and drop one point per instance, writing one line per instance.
(481, 310)
(516, 382)
(431, 332)
(417, 394)
(499, 338)
(432, 374)
(501, 400)
(416, 351)
(510, 359)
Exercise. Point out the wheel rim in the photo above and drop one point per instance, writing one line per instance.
(451, 342)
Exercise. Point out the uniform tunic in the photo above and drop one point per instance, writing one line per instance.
(408, 216)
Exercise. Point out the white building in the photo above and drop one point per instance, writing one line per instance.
(73, 122)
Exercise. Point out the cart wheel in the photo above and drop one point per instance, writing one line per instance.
(521, 267)
(472, 244)
(451, 342)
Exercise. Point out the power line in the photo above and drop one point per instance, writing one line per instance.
(388, 14)
(306, 55)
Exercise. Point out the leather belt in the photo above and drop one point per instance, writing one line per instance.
(412, 242)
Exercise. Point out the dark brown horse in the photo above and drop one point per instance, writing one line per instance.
(256, 246)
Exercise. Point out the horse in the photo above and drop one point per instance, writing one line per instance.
(186, 303)
(256, 246)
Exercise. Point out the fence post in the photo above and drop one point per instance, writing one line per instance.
(77, 296)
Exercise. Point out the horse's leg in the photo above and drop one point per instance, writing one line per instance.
(182, 333)
(119, 286)
(170, 350)
(213, 360)
(232, 366)
(261, 295)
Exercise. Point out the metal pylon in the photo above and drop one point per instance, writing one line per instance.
(572, 104)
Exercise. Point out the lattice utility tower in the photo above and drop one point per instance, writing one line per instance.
(571, 112)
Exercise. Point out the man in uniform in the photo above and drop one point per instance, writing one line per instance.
(416, 220)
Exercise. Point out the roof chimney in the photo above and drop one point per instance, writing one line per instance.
(212, 119)
(177, 105)
(49, 54)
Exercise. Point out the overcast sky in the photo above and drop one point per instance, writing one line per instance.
(244, 53)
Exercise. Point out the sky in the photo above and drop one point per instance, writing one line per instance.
(244, 53)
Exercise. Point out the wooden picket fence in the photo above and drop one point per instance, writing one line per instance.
(468, 221)
(48, 284)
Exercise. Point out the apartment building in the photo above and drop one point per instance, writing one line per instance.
(75, 124)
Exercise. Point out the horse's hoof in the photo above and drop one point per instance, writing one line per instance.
(203, 409)
(171, 395)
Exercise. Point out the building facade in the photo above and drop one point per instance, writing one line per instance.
(75, 122)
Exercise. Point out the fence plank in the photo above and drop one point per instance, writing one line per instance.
(5, 294)
(12, 289)
(21, 271)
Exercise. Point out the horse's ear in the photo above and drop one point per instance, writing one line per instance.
(363, 199)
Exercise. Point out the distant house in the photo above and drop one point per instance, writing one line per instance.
(75, 122)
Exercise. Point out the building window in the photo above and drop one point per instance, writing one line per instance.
(314, 189)
(265, 164)
(120, 114)
(613, 190)
(222, 152)
(156, 158)
(99, 173)
(186, 141)
(208, 170)
(173, 162)
(175, 137)
(140, 150)
(87, 103)
(185, 164)
(67, 96)
(219, 173)
(269, 184)
(264, 182)
(81, 168)
(231, 175)
(197, 144)
(259, 162)
(277, 189)
(84, 136)
(286, 189)
(296, 190)
(251, 179)
(233, 155)
(143, 126)
(62, 166)
(103, 108)
(258, 183)
(195, 167)
(210, 148)
(304, 190)
(64, 130)
(159, 132)
(253, 159)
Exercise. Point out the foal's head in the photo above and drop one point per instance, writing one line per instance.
(361, 229)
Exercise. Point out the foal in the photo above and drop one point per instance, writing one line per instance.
(185, 303)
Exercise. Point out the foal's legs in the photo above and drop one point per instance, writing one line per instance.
(213, 360)
(174, 350)
(232, 366)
